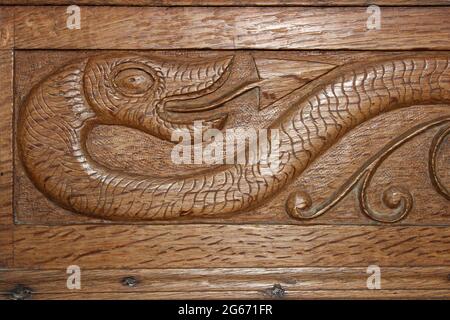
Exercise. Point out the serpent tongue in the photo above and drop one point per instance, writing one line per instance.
(212, 100)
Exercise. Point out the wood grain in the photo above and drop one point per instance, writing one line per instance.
(257, 28)
(6, 158)
(227, 279)
(6, 27)
(6, 144)
(230, 2)
(318, 294)
(194, 246)
(247, 254)
(6, 246)
(248, 295)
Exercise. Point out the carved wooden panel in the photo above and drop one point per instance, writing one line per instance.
(93, 143)
(245, 150)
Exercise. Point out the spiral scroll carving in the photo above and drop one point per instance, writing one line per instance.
(397, 199)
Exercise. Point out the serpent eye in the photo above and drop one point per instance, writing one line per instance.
(133, 81)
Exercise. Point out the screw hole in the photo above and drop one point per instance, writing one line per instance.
(277, 291)
(21, 292)
(129, 282)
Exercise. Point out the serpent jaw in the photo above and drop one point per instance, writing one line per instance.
(147, 93)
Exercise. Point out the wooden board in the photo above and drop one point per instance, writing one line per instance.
(171, 3)
(250, 295)
(366, 172)
(257, 28)
(194, 246)
(6, 247)
(6, 144)
(6, 27)
(256, 283)
(6, 158)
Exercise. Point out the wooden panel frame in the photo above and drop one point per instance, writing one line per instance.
(273, 254)
(193, 246)
(224, 3)
(45, 27)
(6, 135)
(6, 27)
(250, 283)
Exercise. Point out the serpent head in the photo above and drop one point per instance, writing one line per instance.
(150, 93)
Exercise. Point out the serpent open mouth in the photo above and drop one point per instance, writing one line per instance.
(159, 96)
(218, 91)
(211, 100)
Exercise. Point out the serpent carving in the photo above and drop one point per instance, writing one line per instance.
(134, 90)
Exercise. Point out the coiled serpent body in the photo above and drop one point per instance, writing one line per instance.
(59, 113)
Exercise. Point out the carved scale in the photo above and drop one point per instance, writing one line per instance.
(136, 91)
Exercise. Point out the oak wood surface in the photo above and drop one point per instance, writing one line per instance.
(230, 2)
(6, 143)
(194, 246)
(6, 27)
(217, 28)
(297, 295)
(230, 283)
(226, 279)
(246, 255)
(6, 165)
(6, 246)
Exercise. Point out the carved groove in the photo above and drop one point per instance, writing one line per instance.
(138, 92)
(398, 199)
(435, 145)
